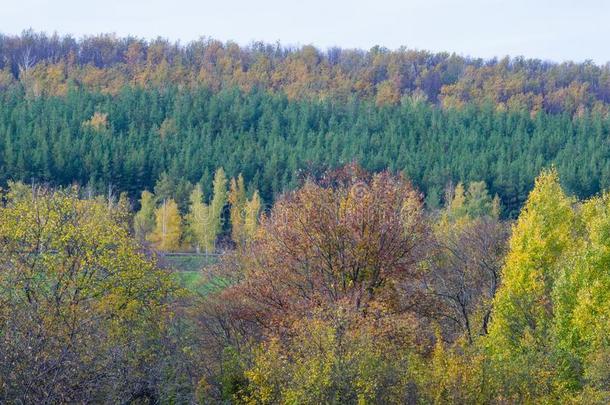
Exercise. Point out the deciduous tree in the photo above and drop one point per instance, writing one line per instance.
(144, 220)
(168, 227)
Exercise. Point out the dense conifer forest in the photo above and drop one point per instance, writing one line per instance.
(120, 112)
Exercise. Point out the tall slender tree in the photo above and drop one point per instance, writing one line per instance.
(252, 211)
(217, 205)
(238, 200)
(198, 221)
(168, 230)
(144, 220)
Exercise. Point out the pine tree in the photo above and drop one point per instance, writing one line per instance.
(164, 187)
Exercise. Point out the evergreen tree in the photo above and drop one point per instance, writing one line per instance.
(272, 141)
(164, 188)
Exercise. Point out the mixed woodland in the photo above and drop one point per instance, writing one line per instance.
(117, 112)
(382, 226)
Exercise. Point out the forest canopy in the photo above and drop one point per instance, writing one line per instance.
(133, 140)
(50, 64)
(346, 291)
(366, 226)
(127, 113)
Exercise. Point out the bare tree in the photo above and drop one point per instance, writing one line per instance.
(462, 276)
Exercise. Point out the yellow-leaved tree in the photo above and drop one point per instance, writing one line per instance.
(520, 341)
(144, 220)
(238, 200)
(168, 229)
(581, 306)
(198, 221)
(218, 202)
(204, 222)
(82, 311)
(244, 212)
(253, 209)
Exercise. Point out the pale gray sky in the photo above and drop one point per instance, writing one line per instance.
(557, 30)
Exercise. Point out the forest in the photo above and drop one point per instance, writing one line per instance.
(346, 291)
(120, 113)
(131, 140)
(209, 223)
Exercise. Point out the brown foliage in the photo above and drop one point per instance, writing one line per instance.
(353, 256)
(461, 277)
(347, 245)
(106, 63)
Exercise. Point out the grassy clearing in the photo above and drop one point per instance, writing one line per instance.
(190, 272)
(198, 282)
(187, 263)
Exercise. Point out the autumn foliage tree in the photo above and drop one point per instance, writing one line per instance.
(351, 244)
(346, 291)
(335, 359)
(237, 199)
(51, 65)
(329, 257)
(144, 219)
(521, 331)
(244, 212)
(462, 272)
(82, 311)
(167, 235)
(204, 222)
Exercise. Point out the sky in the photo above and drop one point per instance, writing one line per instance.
(556, 30)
